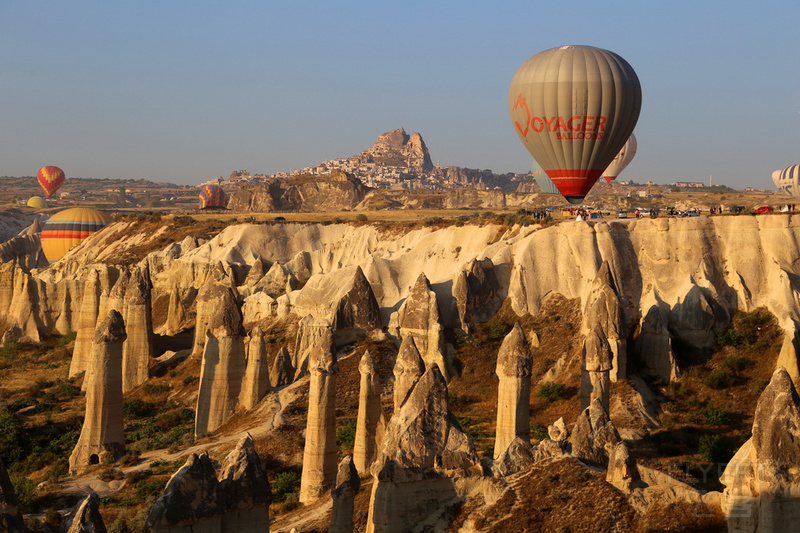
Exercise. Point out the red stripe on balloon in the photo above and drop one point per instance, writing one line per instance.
(65, 234)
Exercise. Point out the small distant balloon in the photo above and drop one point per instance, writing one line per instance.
(573, 108)
(788, 180)
(37, 202)
(623, 159)
(541, 179)
(213, 197)
(50, 179)
(67, 229)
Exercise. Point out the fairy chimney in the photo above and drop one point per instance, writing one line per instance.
(370, 424)
(514, 363)
(256, 376)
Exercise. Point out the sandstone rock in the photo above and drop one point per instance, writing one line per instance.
(604, 309)
(762, 480)
(87, 322)
(594, 437)
(244, 487)
(137, 312)
(696, 318)
(419, 317)
(211, 296)
(223, 365)
(357, 308)
(654, 347)
(319, 454)
(476, 292)
(370, 424)
(408, 368)
(85, 517)
(257, 270)
(25, 248)
(596, 364)
(514, 364)
(788, 357)
(275, 282)
(300, 266)
(256, 377)
(310, 332)
(516, 457)
(102, 431)
(344, 491)
(622, 470)
(282, 372)
(557, 431)
(10, 517)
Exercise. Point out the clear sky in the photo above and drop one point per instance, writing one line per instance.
(184, 91)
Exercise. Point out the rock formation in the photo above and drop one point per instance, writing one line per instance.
(596, 364)
(594, 437)
(85, 517)
(319, 454)
(25, 248)
(514, 364)
(282, 372)
(10, 518)
(213, 294)
(370, 424)
(697, 317)
(344, 491)
(476, 291)
(422, 453)
(517, 456)
(87, 320)
(408, 368)
(223, 365)
(310, 332)
(102, 438)
(603, 309)
(788, 358)
(194, 501)
(419, 317)
(356, 312)
(622, 470)
(762, 482)
(138, 348)
(256, 377)
(654, 347)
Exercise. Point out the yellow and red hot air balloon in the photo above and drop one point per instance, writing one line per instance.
(213, 197)
(574, 107)
(66, 229)
(50, 178)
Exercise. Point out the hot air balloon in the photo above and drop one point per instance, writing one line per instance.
(542, 180)
(66, 229)
(213, 197)
(37, 202)
(574, 108)
(50, 178)
(788, 180)
(624, 157)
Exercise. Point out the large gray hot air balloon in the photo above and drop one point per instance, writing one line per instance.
(788, 180)
(574, 107)
(624, 157)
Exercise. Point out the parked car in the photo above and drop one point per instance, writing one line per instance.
(622, 214)
(736, 209)
(764, 209)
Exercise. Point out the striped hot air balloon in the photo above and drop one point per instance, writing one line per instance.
(66, 229)
(788, 180)
(50, 179)
(213, 197)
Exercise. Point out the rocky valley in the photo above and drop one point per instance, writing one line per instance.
(177, 374)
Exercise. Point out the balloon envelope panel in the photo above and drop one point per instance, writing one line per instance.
(623, 159)
(66, 229)
(212, 196)
(573, 108)
(37, 202)
(50, 179)
(788, 180)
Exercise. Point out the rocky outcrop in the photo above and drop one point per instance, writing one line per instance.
(696, 319)
(319, 454)
(370, 424)
(137, 313)
(596, 364)
(396, 148)
(420, 318)
(594, 437)
(223, 365)
(604, 310)
(408, 368)
(194, 501)
(25, 248)
(788, 358)
(10, 517)
(102, 439)
(215, 292)
(517, 456)
(514, 365)
(85, 517)
(356, 311)
(476, 291)
(622, 470)
(345, 488)
(256, 377)
(423, 452)
(310, 332)
(762, 482)
(282, 372)
(87, 319)
(654, 347)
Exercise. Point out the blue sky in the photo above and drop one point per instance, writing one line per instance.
(186, 91)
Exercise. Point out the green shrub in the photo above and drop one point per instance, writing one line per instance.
(731, 337)
(715, 448)
(137, 408)
(497, 329)
(720, 379)
(737, 363)
(539, 432)
(156, 388)
(26, 491)
(12, 435)
(551, 392)
(715, 416)
(284, 484)
(346, 434)
(361, 217)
